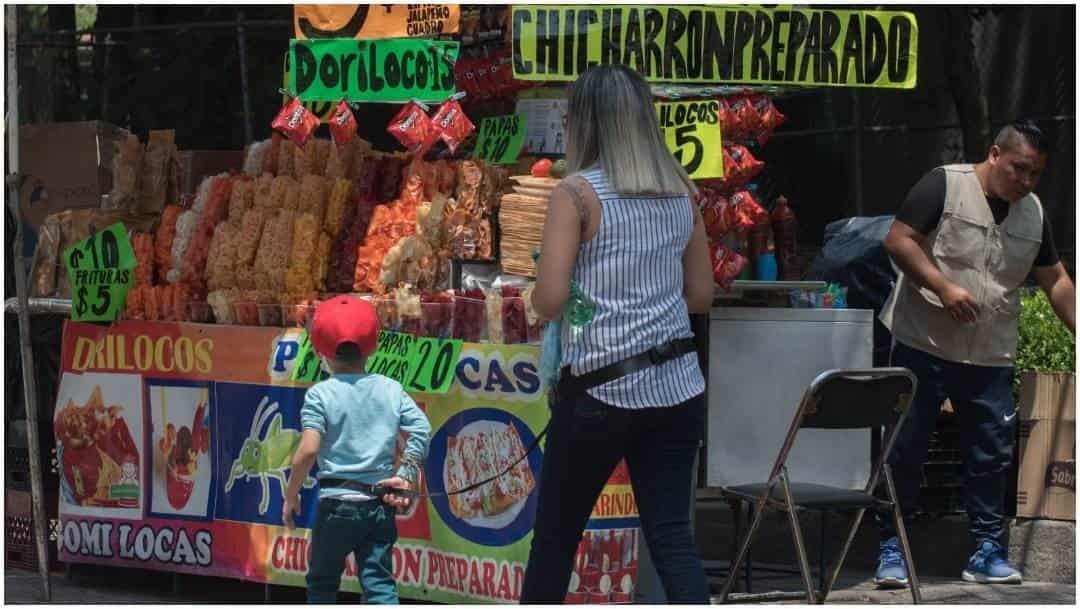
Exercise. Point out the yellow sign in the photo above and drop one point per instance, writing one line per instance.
(367, 21)
(722, 44)
(692, 132)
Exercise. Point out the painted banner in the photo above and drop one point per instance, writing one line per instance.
(369, 21)
(393, 70)
(713, 44)
(692, 132)
(175, 440)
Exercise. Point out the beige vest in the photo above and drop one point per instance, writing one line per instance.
(989, 260)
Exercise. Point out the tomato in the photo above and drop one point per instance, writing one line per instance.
(541, 168)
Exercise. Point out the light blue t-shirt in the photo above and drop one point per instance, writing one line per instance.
(359, 417)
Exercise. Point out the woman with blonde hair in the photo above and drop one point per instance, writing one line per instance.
(623, 227)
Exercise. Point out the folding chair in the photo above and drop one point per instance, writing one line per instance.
(838, 399)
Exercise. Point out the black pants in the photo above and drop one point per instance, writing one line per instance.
(586, 440)
(983, 400)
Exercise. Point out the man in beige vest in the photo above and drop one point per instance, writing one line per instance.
(965, 239)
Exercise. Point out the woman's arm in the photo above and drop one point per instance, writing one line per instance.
(697, 269)
(558, 251)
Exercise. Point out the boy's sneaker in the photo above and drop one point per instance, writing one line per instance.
(891, 570)
(990, 565)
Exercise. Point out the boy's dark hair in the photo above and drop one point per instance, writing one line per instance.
(1027, 131)
(349, 353)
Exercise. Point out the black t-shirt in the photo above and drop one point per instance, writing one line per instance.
(925, 203)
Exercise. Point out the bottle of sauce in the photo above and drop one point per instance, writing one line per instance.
(785, 229)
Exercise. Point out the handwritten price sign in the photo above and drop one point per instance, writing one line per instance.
(500, 138)
(101, 271)
(308, 368)
(692, 132)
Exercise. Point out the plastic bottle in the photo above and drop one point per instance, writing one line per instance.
(785, 228)
(765, 266)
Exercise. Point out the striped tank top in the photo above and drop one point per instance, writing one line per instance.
(632, 269)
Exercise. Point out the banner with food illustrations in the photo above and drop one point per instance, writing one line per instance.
(175, 441)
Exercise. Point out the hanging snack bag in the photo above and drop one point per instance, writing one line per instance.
(295, 121)
(451, 125)
(411, 126)
(342, 126)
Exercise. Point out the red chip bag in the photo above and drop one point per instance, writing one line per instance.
(411, 126)
(296, 122)
(748, 166)
(747, 118)
(727, 265)
(771, 118)
(451, 125)
(342, 125)
(728, 121)
(714, 214)
(732, 169)
(748, 212)
(465, 76)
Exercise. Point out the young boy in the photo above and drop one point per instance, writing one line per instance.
(350, 423)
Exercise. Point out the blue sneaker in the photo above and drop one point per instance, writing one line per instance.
(990, 565)
(891, 570)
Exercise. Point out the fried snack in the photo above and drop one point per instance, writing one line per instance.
(46, 258)
(220, 302)
(221, 263)
(247, 239)
(312, 197)
(215, 213)
(335, 208)
(286, 158)
(304, 160)
(186, 224)
(133, 306)
(279, 192)
(143, 245)
(305, 235)
(340, 160)
(299, 280)
(264, 185)
(241, 199)
(320, 156)
(322, 260)
(163, 241)
(279, 245)
(256, 157)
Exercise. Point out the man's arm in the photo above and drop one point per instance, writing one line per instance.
(904, 245)
(1061, 292)
(303, 460)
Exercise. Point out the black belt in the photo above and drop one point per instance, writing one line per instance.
(570, 385)
(354, 485)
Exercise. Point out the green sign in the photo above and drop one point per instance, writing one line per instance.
(100, 268)
(420, 364)
(500, 138)
(308, 368)
(386, 70)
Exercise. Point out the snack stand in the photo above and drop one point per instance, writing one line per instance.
(208, 293)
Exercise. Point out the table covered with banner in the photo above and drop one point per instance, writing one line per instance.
(175, 440)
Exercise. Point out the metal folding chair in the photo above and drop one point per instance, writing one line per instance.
(838, 399)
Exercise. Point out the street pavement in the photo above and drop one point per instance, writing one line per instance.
(89, 585)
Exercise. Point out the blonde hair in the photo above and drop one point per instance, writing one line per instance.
(611, 121)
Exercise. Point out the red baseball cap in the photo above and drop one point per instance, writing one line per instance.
(344, 319)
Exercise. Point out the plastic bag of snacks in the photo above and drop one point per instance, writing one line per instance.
(438, 311)
(770, 116)
(163, 241)
(493, 307)
(322, 260)
(199, 248)
(220, 302)
(186, 224)
(247, 240)
(515, 329)
(532, 318)
(46, 258)
(241, 199)
(295, 121)
(342, 126)
(286, 159)
(255, 158)
(312, 197)
(410, 313)
(451, 125)
(334, 219)
(305, 236)
(411, 126)
(748, 212)
(143, 246)
(727, 265)
(470, 315)
(221, 261)
(714, 212)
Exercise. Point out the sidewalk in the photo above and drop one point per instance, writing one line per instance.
(151, 587)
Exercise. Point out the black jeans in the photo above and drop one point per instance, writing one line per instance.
(986, 411)
(586, 440)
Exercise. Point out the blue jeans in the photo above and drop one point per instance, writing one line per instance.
(365, 528)
(986, 411)
(586, 439)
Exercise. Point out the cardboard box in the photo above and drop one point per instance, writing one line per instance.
(64, 166)
(1046, 487)
(198, 164)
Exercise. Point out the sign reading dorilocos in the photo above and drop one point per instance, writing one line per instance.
(394, 70)
(736, 44)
